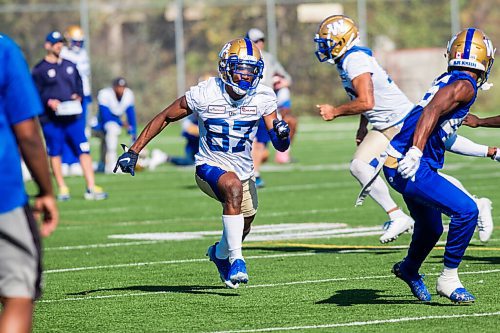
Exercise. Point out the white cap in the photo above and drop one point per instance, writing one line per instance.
(255, 34)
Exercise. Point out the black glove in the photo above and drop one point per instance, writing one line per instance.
(281, 128)
(127, 161)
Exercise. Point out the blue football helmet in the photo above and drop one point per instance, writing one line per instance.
(241, 58)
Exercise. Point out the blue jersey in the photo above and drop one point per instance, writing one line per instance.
(57, 81)
(447, 125)
(19, 101)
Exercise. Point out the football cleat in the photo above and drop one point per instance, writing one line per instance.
(157, 158)
(97, 193)
(396, 227)
(484, 220)
(63, 194)
(414, 281)
(223, 266)
(453, 289)
(259, 183)
(238, 272)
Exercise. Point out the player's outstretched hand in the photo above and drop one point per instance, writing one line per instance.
(408, 166)
(127, 161)
(281, 128)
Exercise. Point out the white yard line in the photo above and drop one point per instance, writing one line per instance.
(167, 262)
(340, 279)
(364, 323)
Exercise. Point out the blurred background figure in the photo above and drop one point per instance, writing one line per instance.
(114, 103)
(60, 88)
(20, 249)
(191, 133)
(75, 51)
(282, 91)
(272, 67)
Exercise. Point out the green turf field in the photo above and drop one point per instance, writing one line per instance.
(331, 274)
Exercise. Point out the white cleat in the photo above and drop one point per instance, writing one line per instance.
(452, 288)
(397, 227)
(157, 158)
(484, 220)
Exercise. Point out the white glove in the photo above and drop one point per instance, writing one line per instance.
(408, 166)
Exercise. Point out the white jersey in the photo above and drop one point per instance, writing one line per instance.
(228, 127)
(82, 61)
(391, 105)
(107, 98)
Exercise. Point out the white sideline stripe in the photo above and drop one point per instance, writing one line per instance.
(363, 323)
(253, 286)
(167, 262)
(102, 245)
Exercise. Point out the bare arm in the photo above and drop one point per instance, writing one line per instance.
(443, 102)
(268, 120)
(364, 101)
(475, 121)
(175, 111)
(30, 143)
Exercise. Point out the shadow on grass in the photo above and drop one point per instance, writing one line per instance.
(200, 290)
(352, 297)
(476, 260)
(314, 249)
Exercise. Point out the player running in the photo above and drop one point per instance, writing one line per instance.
(229, 109)
(417, 152)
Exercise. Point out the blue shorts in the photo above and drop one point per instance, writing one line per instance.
(57, 132)
(262, 135)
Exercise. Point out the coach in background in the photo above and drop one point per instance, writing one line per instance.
(20, 262)
(60, 88)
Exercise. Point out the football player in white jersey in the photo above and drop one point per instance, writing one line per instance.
(229, 108)
(114, 103)
(381, 103)
(75, 52)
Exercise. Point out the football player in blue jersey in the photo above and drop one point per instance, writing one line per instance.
(379, 101)
(20, 250)
(417, 152)
(229, 108)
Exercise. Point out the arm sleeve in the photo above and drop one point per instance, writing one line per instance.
(131, 119)
(463, 146)
(79, 83)
(22, 100)
(279, 144)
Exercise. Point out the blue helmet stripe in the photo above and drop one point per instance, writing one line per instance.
(468, 43)
(249, 47)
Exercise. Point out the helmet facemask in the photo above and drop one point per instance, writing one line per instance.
(247, 69)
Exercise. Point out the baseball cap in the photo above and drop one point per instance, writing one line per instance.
(255, 34)
(119, 82)
(54, 37)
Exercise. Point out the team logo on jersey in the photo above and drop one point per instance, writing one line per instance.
(70, 70)
(51, 73)
(217, 109)
(248, 110)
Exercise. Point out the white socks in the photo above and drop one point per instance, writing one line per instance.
(448, 281)
(231, 240)
(396, 214)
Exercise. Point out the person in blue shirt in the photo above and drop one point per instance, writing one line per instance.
(60, 88)
(417, 152)
(20, 262)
